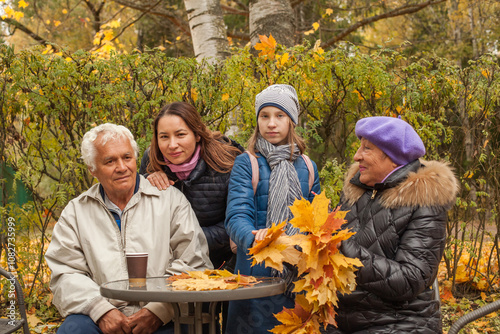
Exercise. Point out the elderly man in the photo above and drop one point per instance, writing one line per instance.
(122, 213)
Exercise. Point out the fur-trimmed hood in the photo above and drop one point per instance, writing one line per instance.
(433, 184)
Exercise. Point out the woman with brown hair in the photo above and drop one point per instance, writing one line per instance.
(198, 162)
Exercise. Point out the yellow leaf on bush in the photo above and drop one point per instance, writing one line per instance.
(22, 4)
(194, 94)
(18, 15)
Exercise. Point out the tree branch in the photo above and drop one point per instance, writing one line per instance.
(403, 10)
(156, 10)
(295, 3)
(128, 25)
(240, 36)
(235, 11)
(241, 4)
(26, 30)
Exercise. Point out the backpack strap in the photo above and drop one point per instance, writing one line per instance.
(311, 170)
(255, 171)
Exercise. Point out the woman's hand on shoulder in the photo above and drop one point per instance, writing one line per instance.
(160, 180)
(259, 235)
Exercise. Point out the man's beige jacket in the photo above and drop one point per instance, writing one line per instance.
(88, 248)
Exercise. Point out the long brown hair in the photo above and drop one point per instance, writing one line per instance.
(216, 150)
(292, 138)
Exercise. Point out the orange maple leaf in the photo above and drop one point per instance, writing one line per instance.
(334, 221)
(267, 46)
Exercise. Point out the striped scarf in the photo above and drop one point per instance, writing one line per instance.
(284, 189)
(284, 185)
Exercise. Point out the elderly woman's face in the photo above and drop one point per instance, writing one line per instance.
(374, 165)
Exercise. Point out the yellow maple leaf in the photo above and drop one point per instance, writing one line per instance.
(48, 50)
(18, 15)
(315, 26)
(112, 24)
(9, 12)
(309, 217)
(281, 60)
(273, 233)
(22, 4)
(329, 11)
(267, 46)
(225, 97)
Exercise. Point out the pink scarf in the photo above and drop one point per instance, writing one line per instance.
(183, 170)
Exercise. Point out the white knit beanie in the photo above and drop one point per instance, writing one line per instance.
(280, 96)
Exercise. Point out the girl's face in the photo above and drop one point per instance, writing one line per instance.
(177, 142)
(274, 125)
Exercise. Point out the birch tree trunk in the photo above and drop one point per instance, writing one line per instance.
(208, 31)
(274, 17)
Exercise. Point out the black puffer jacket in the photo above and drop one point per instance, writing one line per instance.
(206, 190)
(400, 236)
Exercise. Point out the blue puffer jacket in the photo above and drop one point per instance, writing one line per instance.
(245, 213)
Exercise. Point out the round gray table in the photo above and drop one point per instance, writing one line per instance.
(158, 289)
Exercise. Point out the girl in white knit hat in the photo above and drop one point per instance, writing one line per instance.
(284, 175)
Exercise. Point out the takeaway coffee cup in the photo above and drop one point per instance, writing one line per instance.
(137, 264)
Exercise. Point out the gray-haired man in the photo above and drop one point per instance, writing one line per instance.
(122, 213)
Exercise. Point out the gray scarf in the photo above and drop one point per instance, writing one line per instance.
(284, 189)
(284, 185)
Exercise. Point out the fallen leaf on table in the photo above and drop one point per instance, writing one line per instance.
(210, 280)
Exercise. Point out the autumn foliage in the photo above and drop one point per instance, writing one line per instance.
(323, 271)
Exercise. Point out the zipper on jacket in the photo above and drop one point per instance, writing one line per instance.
(122, 236)
(374, 193)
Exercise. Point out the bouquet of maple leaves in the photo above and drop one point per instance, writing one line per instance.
(323, 271)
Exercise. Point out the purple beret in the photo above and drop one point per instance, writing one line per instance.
(393, 136)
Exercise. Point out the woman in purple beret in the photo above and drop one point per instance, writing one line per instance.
(398, 207)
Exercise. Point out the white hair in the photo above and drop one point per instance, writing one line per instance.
(108, 131)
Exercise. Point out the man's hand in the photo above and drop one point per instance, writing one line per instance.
(114, 322)
(159, 180)
(144, 322)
